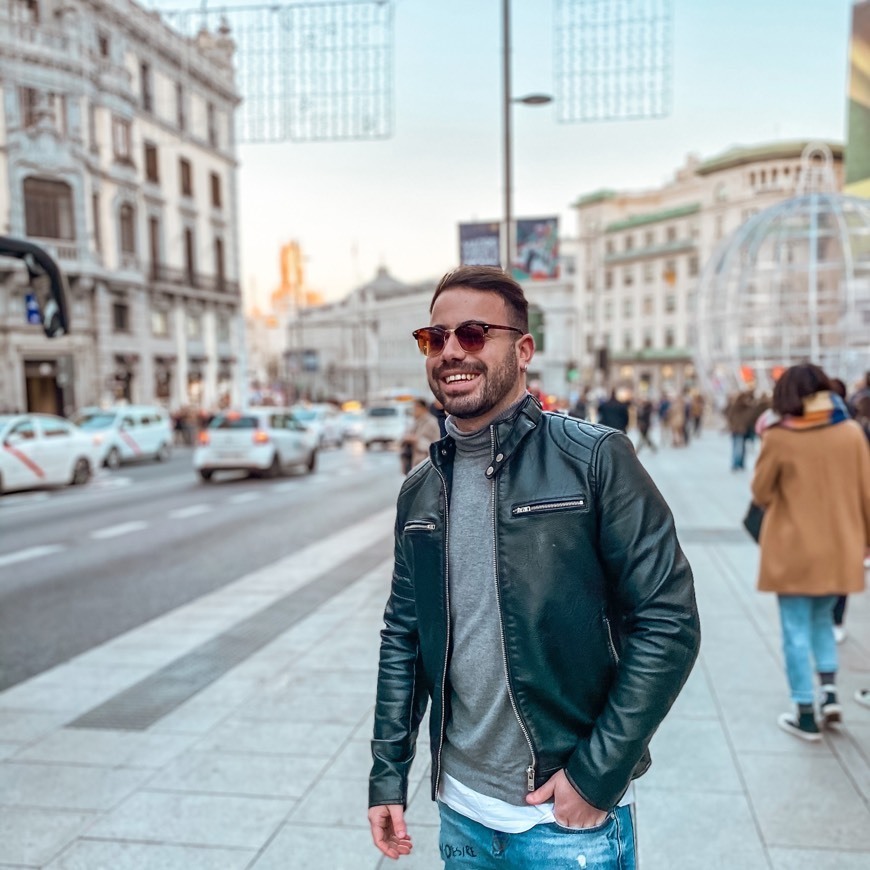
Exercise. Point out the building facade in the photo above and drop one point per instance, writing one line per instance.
(118, 156)
(640, 256)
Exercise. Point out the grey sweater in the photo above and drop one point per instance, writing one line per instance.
(484, 748)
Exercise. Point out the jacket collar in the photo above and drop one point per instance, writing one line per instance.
(508, 434)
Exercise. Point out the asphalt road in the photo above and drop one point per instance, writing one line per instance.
(81, 565)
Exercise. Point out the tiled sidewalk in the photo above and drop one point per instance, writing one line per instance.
(266, 768)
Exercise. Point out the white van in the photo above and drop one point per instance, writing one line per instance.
(385, 424)
(124, 433)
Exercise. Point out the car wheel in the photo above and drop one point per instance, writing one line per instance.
(312, 462)
(274, 469)
(163, 453)
(81, 473)
(205, 474)
(113, 459)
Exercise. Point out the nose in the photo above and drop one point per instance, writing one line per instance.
(452, 347)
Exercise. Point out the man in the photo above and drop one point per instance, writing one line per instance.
(613, 413)
(421, 433)
(539, 598)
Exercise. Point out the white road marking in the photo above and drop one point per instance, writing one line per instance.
(243, 497)
(117, 531)
(193, 510)
(30, 553)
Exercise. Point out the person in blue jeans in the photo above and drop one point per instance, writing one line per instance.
(540, 601)
(812, 476)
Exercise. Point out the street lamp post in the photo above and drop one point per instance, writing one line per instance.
(528, 100)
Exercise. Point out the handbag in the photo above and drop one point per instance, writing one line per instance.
(752, 520)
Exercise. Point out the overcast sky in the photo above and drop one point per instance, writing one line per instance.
(744, 72)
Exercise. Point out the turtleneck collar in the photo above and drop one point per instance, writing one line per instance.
(481, 440)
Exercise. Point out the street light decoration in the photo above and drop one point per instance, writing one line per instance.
(612, 59)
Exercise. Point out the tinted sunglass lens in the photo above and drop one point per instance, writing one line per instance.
(430, 342)
(471, 337)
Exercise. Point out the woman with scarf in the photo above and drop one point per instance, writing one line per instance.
(812, 477)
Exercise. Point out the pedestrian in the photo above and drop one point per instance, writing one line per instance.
(696, 412)
(812, 476)
(436, 409)
(580, 408)
(676, 422)
(840, 632)
(614, 413)
(539, 598)
(739, 414)
(421, 433)
(644, 415)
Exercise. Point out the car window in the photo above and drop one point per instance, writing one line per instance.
(25, 429)
(128, 422)
(277, 421)
(233, 421)
(56, 429)
(383, 412)
(294, 424)
(95, 420)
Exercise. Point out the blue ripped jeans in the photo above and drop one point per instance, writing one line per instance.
(464, 844)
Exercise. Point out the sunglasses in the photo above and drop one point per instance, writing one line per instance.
(471, 336)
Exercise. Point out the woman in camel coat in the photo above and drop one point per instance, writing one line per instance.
(812, 477)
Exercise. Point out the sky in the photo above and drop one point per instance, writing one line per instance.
(744, 72)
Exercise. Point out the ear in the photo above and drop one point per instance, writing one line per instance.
(525, 351)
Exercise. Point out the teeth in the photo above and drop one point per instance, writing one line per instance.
(453, 378)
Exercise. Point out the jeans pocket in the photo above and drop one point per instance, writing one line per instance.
(595, 829)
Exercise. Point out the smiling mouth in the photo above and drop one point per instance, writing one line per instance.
(459, 378)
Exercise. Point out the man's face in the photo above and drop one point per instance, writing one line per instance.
(476, 387)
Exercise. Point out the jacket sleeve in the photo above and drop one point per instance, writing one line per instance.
(401, 694)
(653, 604)
(766, 474)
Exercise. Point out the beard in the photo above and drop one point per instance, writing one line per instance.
(491, 388)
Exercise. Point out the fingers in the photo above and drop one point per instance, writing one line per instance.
(542, 794)
(389, 832)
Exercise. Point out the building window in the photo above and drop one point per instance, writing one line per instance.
(629, 243)
(590, 311)
(146, 92)
(194, 326)
(216, 199)
(122, 140)
(48, 209)
(608, 310)
(671, 234)
(103, 44)
(92, 127)
(627, 307)
(28, 101)
(590, 343)
(127, 225)
(608, 246)
(670, 303)
(669, 337)
(154, 245)
(648, 271)
(647, 339)
(569, 264)
(159, 323)
(670, 273)
(120, 317)
(219, 266)
(180, 113)
(211, 120)
(152, 166)
(186, 176)
(590, 281)
(223, 329)
(628, 276)
(608, 280)
(627, 341)
(648, 306)
(189, 257)
(649, 238)
(693, 266)
(98, 226)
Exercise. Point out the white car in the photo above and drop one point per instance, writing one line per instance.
(263, 441)
(127, 432)
(324, 421)
(352, 424)
(385, 424)
(39, 450)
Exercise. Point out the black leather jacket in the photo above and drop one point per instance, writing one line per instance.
(597, 607)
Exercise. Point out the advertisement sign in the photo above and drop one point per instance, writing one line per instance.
(480, 244)
(858, 145)
(537, 250)
(31, 307)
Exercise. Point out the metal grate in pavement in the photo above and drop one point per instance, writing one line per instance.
(143, 704)
(727, 535)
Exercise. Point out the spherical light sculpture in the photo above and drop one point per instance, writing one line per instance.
(791, 285)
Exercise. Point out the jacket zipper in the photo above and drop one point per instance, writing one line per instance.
(530, 770)
(419, 526)
(447, 639)
(610, 642)
(549, 506)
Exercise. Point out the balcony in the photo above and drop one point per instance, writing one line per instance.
(184, 278)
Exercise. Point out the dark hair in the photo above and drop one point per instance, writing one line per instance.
(838, 387)
(794, 385)
(422, 403)
(489, 279)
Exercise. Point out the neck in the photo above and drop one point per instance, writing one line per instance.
(470, 425)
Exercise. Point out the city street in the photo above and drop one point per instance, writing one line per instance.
(223, 722)
(82, 565)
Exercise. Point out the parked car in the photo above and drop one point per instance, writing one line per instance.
(263, 441)
(385, 424)
(352, 424)
(127, 432)
(324, 421)
(39, 450)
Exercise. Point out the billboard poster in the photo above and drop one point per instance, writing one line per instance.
(537, 250)
(480, 244)
(858, 145)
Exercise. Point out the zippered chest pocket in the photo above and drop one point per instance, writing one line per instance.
(417, 526)
(569, 503)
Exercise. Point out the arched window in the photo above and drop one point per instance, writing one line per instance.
(127, 227)
(48, 209)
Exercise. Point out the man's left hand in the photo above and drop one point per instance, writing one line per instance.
(570, 810)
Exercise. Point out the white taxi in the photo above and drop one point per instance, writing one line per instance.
(264, 441)
(38, 450)
(126, 433)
